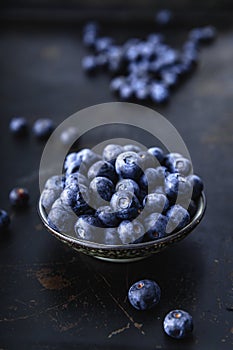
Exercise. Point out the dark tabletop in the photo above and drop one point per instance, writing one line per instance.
(52, 297)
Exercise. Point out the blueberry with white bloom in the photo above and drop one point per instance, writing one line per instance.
(178, 324)
(130, 231)
(144, 294)
(125, 204)
(178, 217)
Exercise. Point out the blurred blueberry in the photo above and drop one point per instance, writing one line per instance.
(19, 126)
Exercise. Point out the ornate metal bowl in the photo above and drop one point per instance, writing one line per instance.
(128, 252)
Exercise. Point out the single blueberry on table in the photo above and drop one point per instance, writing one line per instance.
(129, 165)
(144, 294)
(107, 216)
(43, 128)
(19, 197)
(125, 204)
(155, 225)
(69, 136)
(87, 227)
(128, 185)
(130, 231)
(177, 217)
(4, 220)
(111, 151)
(178, 324)
(163, 17)
(197, 186)
(19, 126)
(104, 169)
(101, 190)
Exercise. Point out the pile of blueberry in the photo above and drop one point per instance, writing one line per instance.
(124, 196)
(143, 69)
(145, 294)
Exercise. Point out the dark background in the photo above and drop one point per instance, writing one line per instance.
(54, 298)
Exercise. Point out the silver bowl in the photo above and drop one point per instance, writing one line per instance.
(127, 252)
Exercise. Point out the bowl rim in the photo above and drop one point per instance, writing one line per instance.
(74, 241)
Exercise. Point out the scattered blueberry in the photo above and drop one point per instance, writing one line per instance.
(19, 126)
(163, 17)
(4, 220)
(144, 294)
(43, 128)
(178, 324)
(69, 136)
(19, 197)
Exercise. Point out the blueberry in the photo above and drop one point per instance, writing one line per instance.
(178, 324)
(101, 190)
(103, 169)
(117, 83)
(81, 205)
(125, 204)
(203, 35)
(130, 231)
(191, 206)
(178, 217)
(152, 178)
(76, 179)
(197, 186)
(111, 151)
(143, 93)
(147, 160)
(19, 197)
(170, 158)
(182, 166)
(163, 17)
(55, 183)
(69, 194)
(144, 294)
(107, 216)
(48, 197)
(159, 189)
(19, 126)
(128, 165)
(70, 158)
(155, 225)
(86, 228)
(155, 38)
(43, 128)
(157, 153)
(155, 202)
(128, 185)
(75, 166)
(89, 39)
(177, 186)
(89, 64)
(61, 218)
(4, 220)
(69, 135)
(91, 27)
(159, 93)
(103, 44)
(132, 148)
(111, 237)
(169, 78)
(126, 92)
(88, 157)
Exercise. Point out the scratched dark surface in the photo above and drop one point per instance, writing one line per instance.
(54, 298)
